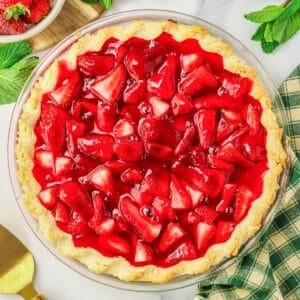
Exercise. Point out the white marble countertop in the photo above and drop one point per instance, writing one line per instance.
(54, 279)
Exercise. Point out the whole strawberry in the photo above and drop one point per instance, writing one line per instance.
(38, 9)
(15, 8)
(10, 26)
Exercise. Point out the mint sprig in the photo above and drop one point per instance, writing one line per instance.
(278, 24)
(14, 69)
(106, 4)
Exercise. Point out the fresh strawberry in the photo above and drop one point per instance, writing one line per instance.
(243, 199)
(62, 213)
(186, 141)
(131, 175)
(106, 117)
(158, 151)
(198, 80)
(143, 253)
(63, 165)
(48, 197)
(135, 64)
(75, 129)
(195, 195)
(135, 92)
(141, 198)
(181, 104)
(185, 251)
(109, 87)
(207, 214)
(162, 84)
(11, 26)
(197, 156)
(74, 196)
(215, 61)
(99, 146)
(228, 194)
(149, 128)
(95, 64)
(53, 127)
(123, 128)
(225, 128)
(38, 10)
(102, 179)
(253, 118)
(159, 107)
(180, 199)
(205, 121)
(252, 147)
(129, 150)
(118, 166)
(231, 154)
(162, 208)
(114, 244)
(218, 163)
(147, 230)
(15, 8)
(171, 236)
(224, 230)
(99, 210)
(64, 94)
(203, 234)
(44, 159)
(181, 123)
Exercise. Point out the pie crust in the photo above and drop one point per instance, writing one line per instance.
(118, 266)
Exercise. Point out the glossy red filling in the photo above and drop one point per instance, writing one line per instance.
(149, 150)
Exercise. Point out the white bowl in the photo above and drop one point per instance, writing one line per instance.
(56, 6)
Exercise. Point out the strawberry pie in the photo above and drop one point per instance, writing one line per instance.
(149, 152)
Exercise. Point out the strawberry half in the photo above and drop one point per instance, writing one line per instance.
(114, 244)
(181, 104)
(143, 253)
(106, 227)
(129, 150)
(63, 165)
(253, 118)
(106, 117)
(135, 64)
(135, 92)
(224, 230)
(75, 129)
(162, 208)
(48, 197)
(252, 147)
(99, 210)
(243, 199)
(215, 61)
(123, 128)
(186, 141)
(228, 194)
(159, 107)
(131, 175)
(180, 199)
(62, 213)
(147, 230)
(158, 151)
(44, 159)
(203, 234)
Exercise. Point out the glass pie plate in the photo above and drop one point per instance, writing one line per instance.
(122, 19)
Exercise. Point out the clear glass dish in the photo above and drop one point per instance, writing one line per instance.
(122, 19)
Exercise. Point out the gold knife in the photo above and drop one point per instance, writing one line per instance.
(16, 267)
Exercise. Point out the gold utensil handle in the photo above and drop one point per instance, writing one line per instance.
(30, 293)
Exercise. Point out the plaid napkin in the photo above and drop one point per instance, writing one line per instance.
(272, 269)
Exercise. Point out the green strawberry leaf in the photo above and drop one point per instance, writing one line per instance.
(267, 14)
(10, 53)
(259, 33)
(13, 79)
(268, 33)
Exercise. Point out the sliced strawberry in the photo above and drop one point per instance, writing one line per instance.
(123, 128)
(180, 199)
(75, 129)
(135, 92)
(109, 87)
(185, 251)
(198, 80)
(228, 194)
(232, 116)
(159, 107)
(99, 210)
(141, 198)
(143, 253)
(121, 225)
(253, 118)
(130, 112)
(189, 218)
(195, 195)
(102, 179)
(44, 159)
(181, 104)
(114, 244)
(197, 156)
(118, 166)
(205, 121)
(225, 128)
(192, 57)
(135, 64)
(231, 154)
(149, 128)
(74, 196)
(147, 230)
(106, 227)
(131, 175)
(181, 123)
(95, 64)
(62, 165)
(84, 109)
(203, 234)
(162, 209)
(158, 151)
(48, 197)
(218, 163)
(99, 146)
(186, 141)
(62, 213)
(252, 147)
(236, 136)
(84, 164)
(224, 230)
(243, 199)
(106, 117)
(77, 226)
(129, 150)
(215, 61)
(171, 236)
(64, 94)
(162, 83)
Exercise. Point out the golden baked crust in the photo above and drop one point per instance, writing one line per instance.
(118, 266)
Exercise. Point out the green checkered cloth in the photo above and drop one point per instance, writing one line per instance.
(272, 269)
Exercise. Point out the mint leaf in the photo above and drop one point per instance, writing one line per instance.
(267, 14)
(13, 79)
(268, 32)
(269, 47)
(259, 33)
(12, 52)
(283, 29)
(290, 9)
(106, 3)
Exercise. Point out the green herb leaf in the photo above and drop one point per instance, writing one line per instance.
(13, 79)
(290, 9)
(269, 47)
(106, 3)
(12, 52)
(259, 33)
(268, 32)
(283, 29)
(267, 14)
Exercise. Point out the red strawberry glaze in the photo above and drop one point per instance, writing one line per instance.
(140, 172)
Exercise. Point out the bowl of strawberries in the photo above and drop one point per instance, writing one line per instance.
(23, 19)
